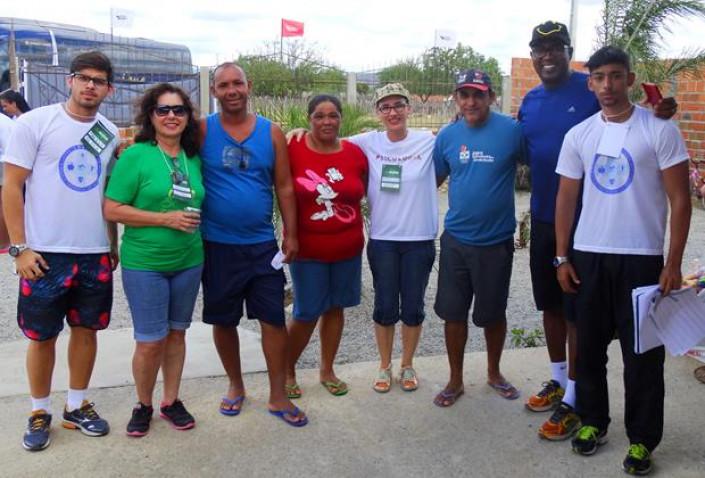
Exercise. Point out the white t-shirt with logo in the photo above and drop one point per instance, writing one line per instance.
(624, 200)
(64, 191)
(402, 186)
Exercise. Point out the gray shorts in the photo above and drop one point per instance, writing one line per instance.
(479, 272)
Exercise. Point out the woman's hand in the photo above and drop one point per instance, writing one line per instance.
(185, 221)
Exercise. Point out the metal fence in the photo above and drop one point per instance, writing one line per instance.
(45, 85)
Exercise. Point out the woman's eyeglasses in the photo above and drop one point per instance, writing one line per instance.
(163, 110)
(397, 107)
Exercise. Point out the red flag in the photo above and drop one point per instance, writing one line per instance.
(290, 28)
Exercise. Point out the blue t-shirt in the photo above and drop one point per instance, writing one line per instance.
(546, 115)
(481, 162)
(238, 178)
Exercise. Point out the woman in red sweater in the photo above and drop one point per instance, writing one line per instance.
(330, 178)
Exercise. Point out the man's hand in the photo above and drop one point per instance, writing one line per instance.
(568, 278)
(30, 265)
(114, 257)
(296, 133)
(670, 279)
(290, 248)
(666, 108)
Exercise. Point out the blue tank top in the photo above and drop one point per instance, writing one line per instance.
(238, 178)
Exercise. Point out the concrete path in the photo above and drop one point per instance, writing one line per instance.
(363, 434)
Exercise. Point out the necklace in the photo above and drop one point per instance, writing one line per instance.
(71, 113)
(607, 117)
(177, 176)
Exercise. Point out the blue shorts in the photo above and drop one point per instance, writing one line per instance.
(321, 286)
(400, 270)
(234, 274)
(168, 305)
(76, 286)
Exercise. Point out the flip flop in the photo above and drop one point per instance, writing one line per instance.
(227, 406)
(338, 388)
(383, 382)
(448, 397)
(293, 391)
(290, 413)
(505, 390)
(408, 379)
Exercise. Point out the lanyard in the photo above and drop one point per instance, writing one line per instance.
(174, 171)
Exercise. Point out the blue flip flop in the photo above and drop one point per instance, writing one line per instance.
(291, 413)
(226, 406)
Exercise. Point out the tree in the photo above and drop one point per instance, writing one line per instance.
(637, 26)
(433, 72)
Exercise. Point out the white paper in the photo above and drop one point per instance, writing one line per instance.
(680, 320)
(612, 140)
(278, 260)
(645, 331)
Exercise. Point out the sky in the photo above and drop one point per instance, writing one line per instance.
(354, 35)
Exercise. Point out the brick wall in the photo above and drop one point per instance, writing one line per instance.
(689, 93)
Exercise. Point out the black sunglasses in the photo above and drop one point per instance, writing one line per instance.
(163, 110)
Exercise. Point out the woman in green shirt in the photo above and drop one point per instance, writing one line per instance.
(156, 191)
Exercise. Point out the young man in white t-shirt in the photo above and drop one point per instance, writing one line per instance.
(63, 250)
(403, 226)
(634, 166)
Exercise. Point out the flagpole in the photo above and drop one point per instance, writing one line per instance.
(281, 42)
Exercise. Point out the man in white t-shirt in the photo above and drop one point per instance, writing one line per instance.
(634, 166)
(403, 225)
(5, 129)
(63, 251)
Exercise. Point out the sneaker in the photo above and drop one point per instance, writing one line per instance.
(177, 415)
(87, 420)
(37, 435)
(547, 399)
(563, 423)
(588, 439)
(638, 460)
(139, 423)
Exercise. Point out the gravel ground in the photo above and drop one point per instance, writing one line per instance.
(358, 342)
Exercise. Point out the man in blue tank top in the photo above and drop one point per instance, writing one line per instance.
(548, 111)
(244, 158)
(479, 152)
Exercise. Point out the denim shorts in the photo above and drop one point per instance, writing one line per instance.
(400, 271)
(321, 286)
(160, 301)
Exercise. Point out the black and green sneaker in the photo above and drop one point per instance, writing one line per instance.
(588, 439)
(638, 460)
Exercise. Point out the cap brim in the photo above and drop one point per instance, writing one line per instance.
(472, 85)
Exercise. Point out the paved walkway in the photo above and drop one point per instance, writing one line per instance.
(363, 434)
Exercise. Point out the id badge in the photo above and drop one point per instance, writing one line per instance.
(181, 192)
(97, 139)
(391, 178)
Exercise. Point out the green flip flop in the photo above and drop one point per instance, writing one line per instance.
(338, 388)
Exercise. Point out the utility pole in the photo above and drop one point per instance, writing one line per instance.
(573, 27)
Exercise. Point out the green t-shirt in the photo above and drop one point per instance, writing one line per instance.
(142, 178)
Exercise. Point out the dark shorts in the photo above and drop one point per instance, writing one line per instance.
(400, 271)
(76, 286)
(322, 286)
(234, 274)
(468, 272)
(548, 294)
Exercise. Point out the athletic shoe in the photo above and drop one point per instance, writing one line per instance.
(562, 424)
(548, 398)
(177, 415)
(588, 439)
(141, 418)
(87, 420)
(638, 460)
(36, 437)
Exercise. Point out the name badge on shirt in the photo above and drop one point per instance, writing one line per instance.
(181, 192)
(97, 139)
(612, 141)
(391, 178)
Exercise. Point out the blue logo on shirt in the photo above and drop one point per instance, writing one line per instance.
(79, 169)
(612, 175)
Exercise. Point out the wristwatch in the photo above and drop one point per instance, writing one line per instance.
(559, 261)
(16, 249)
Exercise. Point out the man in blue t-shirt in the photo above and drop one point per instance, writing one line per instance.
(244, 158)
(479, 152)
(561, 101)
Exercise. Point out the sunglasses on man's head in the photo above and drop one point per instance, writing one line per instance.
(163, 110)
